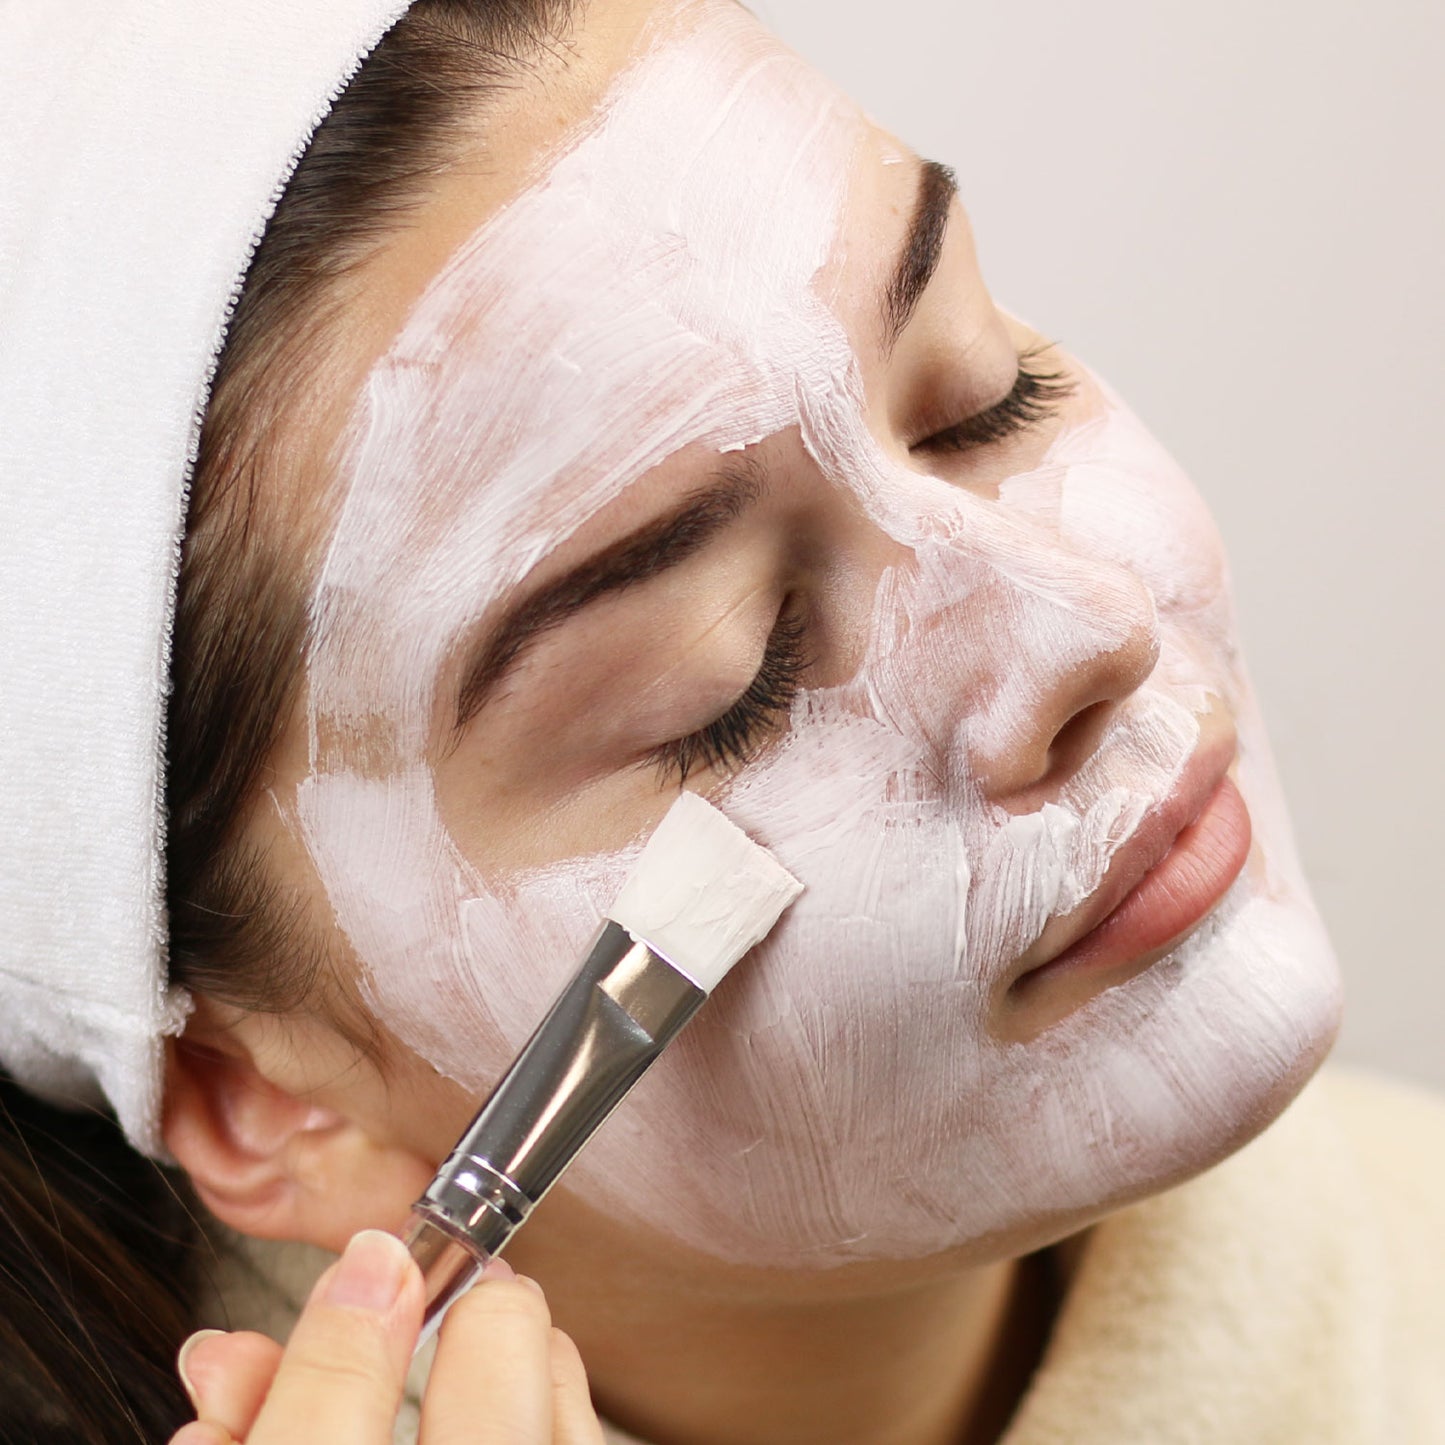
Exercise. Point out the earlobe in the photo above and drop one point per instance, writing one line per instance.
(276, 1165)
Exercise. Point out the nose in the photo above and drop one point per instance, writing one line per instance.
(1067, 656)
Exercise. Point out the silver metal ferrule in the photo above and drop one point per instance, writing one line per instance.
(623, 1008)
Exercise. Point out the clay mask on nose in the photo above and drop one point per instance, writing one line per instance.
(847, 1097)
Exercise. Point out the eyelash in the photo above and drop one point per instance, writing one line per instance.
(731, 741)
(1036, 396)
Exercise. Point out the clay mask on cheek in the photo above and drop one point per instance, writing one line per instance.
(844, 1097)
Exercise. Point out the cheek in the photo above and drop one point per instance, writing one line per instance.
(1131, 504)
(1114, 494)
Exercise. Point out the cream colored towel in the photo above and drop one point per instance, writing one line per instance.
(1295, 1295)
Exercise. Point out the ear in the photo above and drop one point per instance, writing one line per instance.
(267, 1157)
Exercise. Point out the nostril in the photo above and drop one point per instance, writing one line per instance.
(1079, 738)
(1120, 675)
(1044, 753)
(1060, 685)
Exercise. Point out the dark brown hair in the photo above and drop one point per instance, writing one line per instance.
(98, 1254)
(241, 615)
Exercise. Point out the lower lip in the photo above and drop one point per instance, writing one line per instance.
(1171, 899)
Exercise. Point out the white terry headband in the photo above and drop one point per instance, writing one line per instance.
(143, 145)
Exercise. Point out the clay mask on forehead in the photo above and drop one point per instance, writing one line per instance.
(662, 286)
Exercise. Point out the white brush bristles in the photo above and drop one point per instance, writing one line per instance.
(703, 892)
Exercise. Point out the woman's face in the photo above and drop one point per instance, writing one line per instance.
(686, 448)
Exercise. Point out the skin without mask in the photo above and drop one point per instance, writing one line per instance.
(851, 1092)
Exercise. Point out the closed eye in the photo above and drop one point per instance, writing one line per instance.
(733, 739)
(1037, 393)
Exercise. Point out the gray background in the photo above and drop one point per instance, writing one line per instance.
(1234, 211)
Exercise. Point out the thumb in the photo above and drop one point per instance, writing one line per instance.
(342, 1372)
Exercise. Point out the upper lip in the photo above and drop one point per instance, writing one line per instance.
(1146, 849)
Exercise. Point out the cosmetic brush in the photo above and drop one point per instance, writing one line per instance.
(701, 894)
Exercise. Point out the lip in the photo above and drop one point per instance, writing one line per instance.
(1164, 882)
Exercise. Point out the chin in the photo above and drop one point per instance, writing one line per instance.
(1166, 1076)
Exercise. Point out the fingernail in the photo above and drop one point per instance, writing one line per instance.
(370, 1273)
(498, 1269)
(530, 1283)
(184, 1353)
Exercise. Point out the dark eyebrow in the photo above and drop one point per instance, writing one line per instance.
(653, 548)
(937, 186)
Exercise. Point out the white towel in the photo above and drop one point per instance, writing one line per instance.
(143, 144)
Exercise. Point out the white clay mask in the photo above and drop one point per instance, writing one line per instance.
(664, 285)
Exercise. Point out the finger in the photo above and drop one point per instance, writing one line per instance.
(198, 1433)
(574, 1421)
(227, 1376)
(341, 1375)
(491, 1380)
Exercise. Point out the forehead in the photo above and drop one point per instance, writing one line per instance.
(653, 286)
(681, 114)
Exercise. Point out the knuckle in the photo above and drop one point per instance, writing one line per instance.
(508, 1432)
(565, 1351)
(330, 1371)
(513, 1433)
(509, 1300)
(568, 1370)
(500, 1429)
